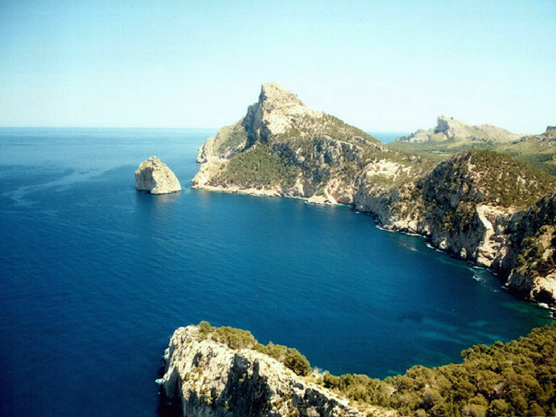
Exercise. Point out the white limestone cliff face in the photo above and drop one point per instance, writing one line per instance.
(448, 128)
(211, 379)
(153, 176)
(275, 113)
(530, 259)
(516, 242)
(449, 212)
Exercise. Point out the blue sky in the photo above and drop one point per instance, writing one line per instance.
(380, 65)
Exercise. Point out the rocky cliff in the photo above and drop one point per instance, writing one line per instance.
(471, 205)
(153, 176)
(450, 128)
(530, 261)
(483, 207)
(211, 376)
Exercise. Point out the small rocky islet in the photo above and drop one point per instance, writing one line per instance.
(479, 205)
(154, 177)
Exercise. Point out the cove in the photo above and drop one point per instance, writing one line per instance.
(95, 277)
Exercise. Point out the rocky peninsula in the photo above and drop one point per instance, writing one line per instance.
(153, 176)
(479, 205)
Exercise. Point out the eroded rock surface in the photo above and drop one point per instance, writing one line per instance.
(153, 176)
(212, 379)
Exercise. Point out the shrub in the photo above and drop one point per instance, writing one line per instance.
(242, 339)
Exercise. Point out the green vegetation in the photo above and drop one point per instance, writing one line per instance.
(537, 242)
(452, 191)
(312, 127)
(258, 166)
(442, 150)
(504, 181)
(516, 378)
(487, 177)
(243, 339)
(230, 139)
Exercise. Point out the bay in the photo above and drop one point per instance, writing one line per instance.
(95, 276)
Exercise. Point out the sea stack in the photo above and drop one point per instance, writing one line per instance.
(153, 176)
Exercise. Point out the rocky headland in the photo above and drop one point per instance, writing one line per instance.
(153, 176)
(283, 148)
(225, 372)
(479, 205)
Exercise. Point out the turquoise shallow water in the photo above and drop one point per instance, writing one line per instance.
(95, 277)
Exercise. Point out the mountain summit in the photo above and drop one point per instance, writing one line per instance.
(282, 147)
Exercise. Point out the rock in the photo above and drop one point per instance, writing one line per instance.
(153, 176)
(209, 379)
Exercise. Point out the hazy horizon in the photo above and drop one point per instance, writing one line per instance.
(391, 66)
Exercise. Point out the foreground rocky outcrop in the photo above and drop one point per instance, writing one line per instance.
(153, 176)
(210, 378)
(449, 128)
(475, 205)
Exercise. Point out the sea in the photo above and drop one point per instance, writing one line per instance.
(95, 276)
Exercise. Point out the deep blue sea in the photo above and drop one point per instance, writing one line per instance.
(95, 277)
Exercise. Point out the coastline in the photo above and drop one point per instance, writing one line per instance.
(429, 242)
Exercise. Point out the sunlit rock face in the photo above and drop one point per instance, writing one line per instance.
(209, 379)
(153, 176)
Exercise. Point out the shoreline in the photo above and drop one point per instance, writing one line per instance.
(275, 193)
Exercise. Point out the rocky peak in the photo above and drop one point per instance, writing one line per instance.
(275, 113)
(447, 125)
(273, 96)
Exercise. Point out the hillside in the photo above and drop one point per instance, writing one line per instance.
(536, 150)
(475, 204)
(512, 379)
(283, 148)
